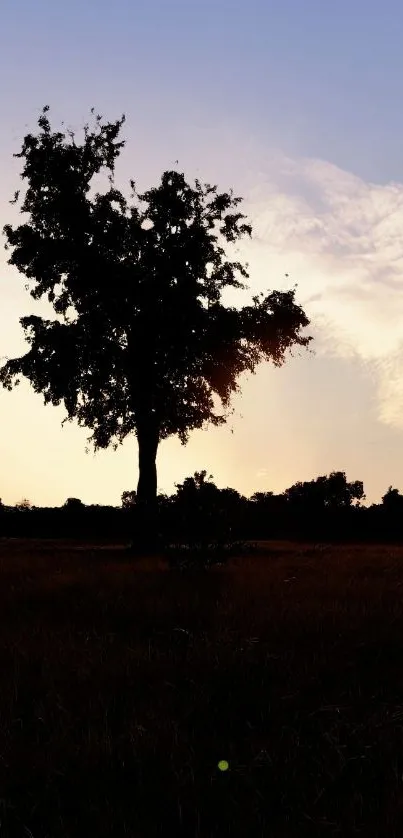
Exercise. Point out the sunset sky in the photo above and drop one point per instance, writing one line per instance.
(298, 106)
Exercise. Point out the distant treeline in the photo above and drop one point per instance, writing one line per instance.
(328, 508)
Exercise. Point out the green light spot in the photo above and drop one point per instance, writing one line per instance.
(223, 765)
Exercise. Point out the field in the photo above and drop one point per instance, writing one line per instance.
(123, 684)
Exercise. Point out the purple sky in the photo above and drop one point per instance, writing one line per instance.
(318, 79)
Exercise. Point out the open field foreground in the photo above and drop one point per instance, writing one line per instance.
(123, 684)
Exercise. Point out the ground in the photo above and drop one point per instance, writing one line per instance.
(123, 685)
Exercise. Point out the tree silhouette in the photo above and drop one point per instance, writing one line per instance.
(73, 504)
(143, 343)
(196, 485)
(128, 499)
(23, 505)
(261, 497)
(201, 508)
(331, 491)
(392, 501)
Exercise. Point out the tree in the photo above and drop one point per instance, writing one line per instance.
(73, 504)
(333, 492)
(128, 499)
(143, 343)
(392, 501)
(261, 497)
(199, 503)
(337, 492)
(196, 485)
(23, 505)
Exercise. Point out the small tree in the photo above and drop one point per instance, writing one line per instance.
(73, 504)
(392, 500)
(333, 492)
(205, 509)
(145, 343)
(23, 505)
(129, 499)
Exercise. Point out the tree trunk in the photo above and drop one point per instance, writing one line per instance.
(146, 502)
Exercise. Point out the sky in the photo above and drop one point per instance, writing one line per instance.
(297, 106)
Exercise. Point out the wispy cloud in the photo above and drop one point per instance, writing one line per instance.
(341, 240)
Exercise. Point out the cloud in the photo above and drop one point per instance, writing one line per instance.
(341, 240)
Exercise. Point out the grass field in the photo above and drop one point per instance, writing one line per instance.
(123, 684)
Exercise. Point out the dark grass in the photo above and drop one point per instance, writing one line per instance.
(123, 683)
